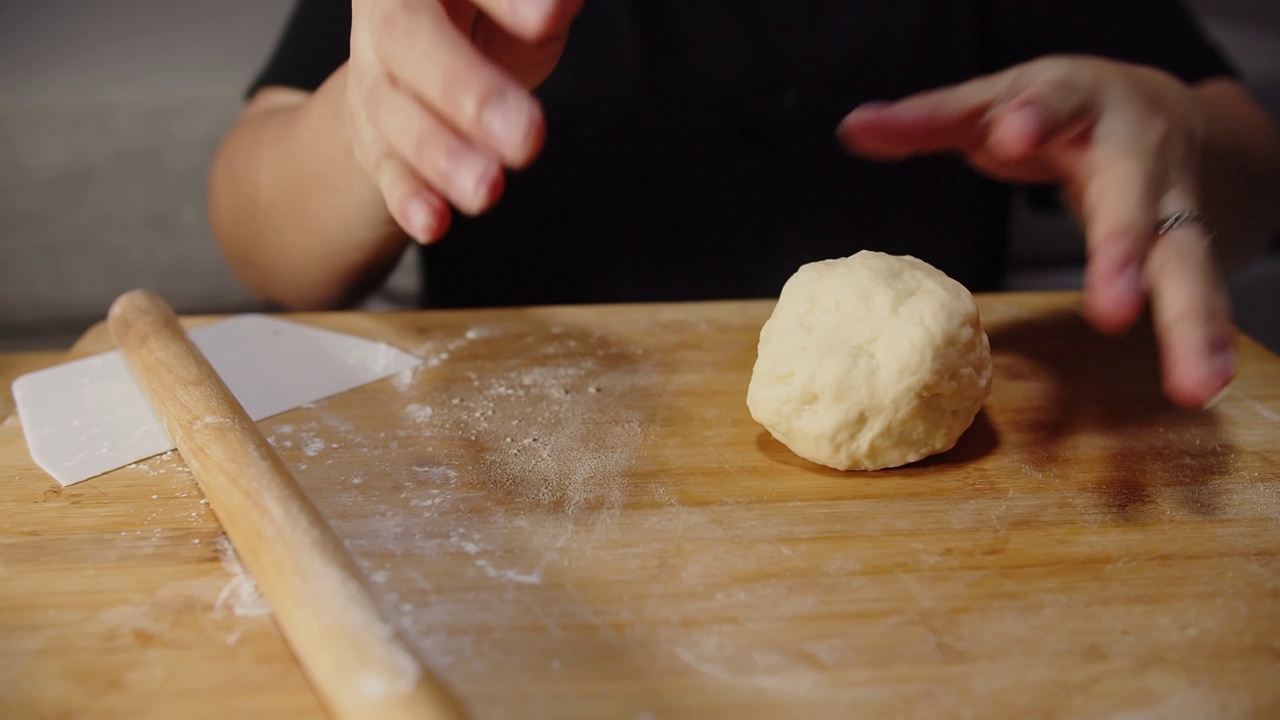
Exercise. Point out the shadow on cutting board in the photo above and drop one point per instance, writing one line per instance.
(979, 441)
(1093, 404)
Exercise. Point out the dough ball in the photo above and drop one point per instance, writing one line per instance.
(870, 361)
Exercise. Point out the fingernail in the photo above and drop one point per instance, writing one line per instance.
(418, 215)
(509, 120)
(470, 175)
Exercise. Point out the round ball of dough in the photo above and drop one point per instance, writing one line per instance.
(870, 361)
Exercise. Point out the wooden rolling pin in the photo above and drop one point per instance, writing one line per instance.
(358, 664)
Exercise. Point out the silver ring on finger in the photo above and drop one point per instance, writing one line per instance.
(1183, 218)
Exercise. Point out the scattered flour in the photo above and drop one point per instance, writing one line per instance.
(313, 446)
(241, 593)
(510, 575)
(157, 465)
(418, 412)
(556, 426)
(403, 379)
(496, 462)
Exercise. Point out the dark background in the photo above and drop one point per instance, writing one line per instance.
(110, 110)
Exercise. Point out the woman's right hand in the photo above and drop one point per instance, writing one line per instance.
(438, 99)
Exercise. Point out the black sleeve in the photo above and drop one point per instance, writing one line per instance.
(315, 42)
(1157, 33)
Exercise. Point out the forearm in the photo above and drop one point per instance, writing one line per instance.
(1239, 171)
(297, 218)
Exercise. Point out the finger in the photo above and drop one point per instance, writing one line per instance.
(431, 59)
(1055, 107)
(1192, 315)
(531, 20)
(1123, 180)
(416, 209)
(469, 177)
(952, 118)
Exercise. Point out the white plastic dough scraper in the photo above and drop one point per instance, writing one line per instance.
(89, 416)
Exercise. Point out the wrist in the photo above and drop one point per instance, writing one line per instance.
(326, 135)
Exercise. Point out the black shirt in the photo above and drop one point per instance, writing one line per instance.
(691, 151)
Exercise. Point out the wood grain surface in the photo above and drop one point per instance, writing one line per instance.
(356, 660)
(571, 514)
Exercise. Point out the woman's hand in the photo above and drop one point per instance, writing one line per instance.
(438, 99)
(1125, 144)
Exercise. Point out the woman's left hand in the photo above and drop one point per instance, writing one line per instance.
(1124, 143)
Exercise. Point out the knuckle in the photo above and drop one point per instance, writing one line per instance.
(470, 98)
(458, 90)
(474, 85)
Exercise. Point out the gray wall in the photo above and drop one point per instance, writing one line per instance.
(109, 112)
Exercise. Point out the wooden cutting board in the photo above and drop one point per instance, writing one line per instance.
(571, 514)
